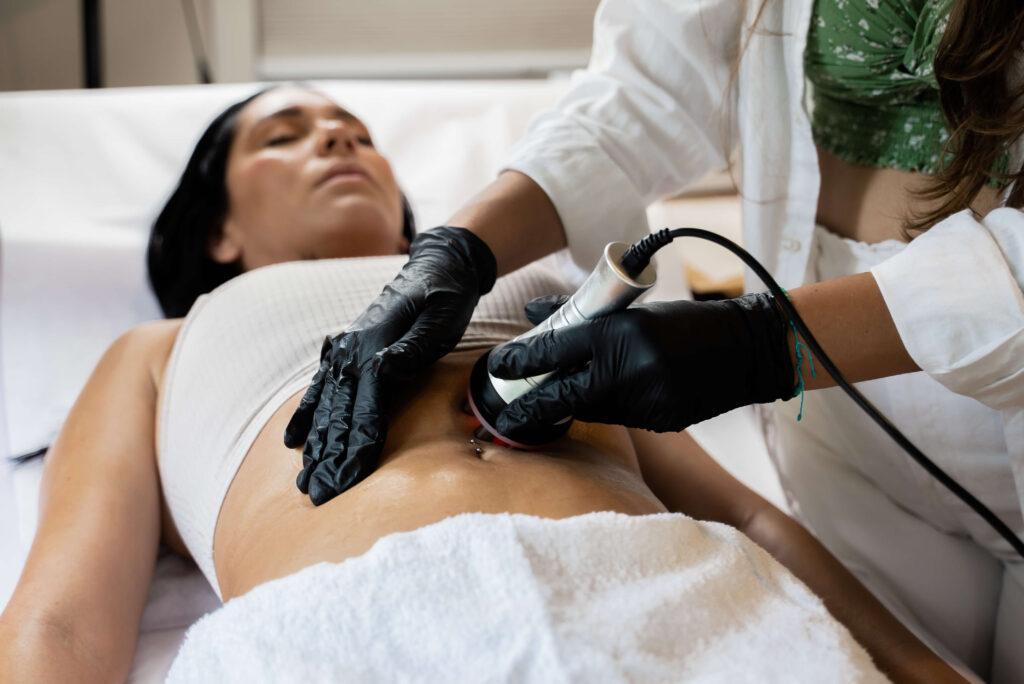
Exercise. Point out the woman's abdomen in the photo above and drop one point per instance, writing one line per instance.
(429, 471)
(872, 204)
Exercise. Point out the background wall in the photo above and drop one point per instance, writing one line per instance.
(147, 42)
(403, 38)
(40, 44)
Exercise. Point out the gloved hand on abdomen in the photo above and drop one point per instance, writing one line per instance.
(418, 318)
(661, 366)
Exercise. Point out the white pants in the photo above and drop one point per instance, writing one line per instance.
(928, 557)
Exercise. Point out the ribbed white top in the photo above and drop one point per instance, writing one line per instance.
(252, 343)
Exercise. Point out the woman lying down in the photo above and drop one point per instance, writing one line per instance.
(453, 560)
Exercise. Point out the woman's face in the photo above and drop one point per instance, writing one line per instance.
(305, 182)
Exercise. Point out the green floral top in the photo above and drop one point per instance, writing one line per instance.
(874, 93)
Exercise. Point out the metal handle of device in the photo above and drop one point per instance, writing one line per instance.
(608, 288)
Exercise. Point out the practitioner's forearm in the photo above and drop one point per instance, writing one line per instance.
(895, 650)
(851, 321)
(515, 218)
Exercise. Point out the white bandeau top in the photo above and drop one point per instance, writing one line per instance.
(253, 342)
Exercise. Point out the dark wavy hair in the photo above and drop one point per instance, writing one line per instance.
(178, 257)
(982, 99)
(981, 94)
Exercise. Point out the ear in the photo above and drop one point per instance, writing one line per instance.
(226, 248)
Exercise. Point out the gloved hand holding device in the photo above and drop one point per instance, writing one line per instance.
(661, 366)
(418, 318)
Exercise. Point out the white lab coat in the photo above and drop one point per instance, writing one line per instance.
(659, 106)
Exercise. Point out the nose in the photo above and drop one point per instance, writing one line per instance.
(336, 137)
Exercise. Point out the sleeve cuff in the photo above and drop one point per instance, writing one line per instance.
(604, 207)
(956, 298)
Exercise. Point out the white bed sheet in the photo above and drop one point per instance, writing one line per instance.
(82, 176)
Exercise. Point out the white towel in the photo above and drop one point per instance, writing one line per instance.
(601, 597)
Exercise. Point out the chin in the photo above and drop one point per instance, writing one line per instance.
(355, 224)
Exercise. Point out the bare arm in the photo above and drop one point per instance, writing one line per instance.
(689, 481)
(515, 218)
(850, 320)
(75, 613)
(848, 316)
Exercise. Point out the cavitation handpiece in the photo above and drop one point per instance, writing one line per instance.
(608, 288)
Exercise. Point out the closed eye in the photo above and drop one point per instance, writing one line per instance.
(364, 140)
(280, 140)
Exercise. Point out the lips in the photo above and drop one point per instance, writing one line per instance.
(343, 171)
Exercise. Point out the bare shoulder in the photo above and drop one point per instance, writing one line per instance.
(156, 333)
(150, 343)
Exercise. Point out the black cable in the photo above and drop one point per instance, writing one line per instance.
(639, 255)
(195, 40)
(92, 43)
(25, 458)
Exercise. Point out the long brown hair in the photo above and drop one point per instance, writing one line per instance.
(982, 97)
(981, 93)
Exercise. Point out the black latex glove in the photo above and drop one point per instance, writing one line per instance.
(661, 366)
(418, 318)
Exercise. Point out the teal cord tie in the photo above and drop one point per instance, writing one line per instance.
(799, 362)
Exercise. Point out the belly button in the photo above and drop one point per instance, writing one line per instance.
(477, 449)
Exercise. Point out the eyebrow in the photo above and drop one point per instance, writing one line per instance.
(298, 112)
